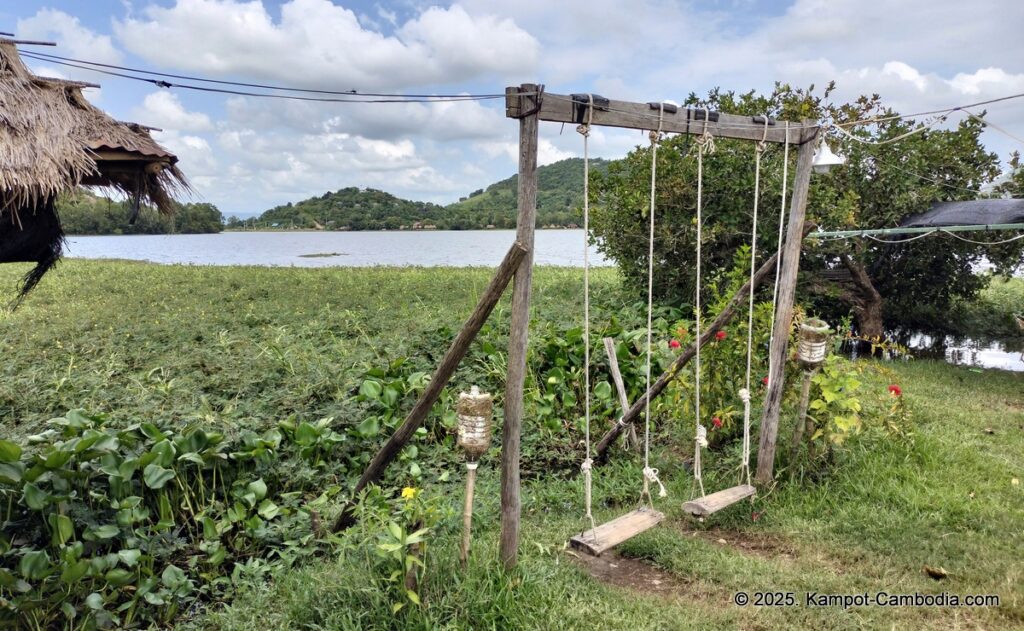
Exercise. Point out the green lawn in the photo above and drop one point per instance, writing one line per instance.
(250, 346)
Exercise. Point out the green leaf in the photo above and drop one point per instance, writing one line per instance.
(156, 476)
(118, 577)
(109, 531)
(173, 577)
(11, 472)
(34, 565)
(369, 427)
(35, 497)
(370, 389)
(62, 528)
(389, 396)
(306, 434)
(413, 596)
(258, 488)
(395, 530)
(9, 452)
(603, 390)
(268, 510)
(129, 557)
(94, 601)
(414, 470)
(73, 572)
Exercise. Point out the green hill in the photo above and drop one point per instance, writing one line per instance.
(559, 195)
(86, 213)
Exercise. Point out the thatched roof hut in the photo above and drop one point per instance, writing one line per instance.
(53, 140)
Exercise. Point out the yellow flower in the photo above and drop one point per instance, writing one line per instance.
(409, 493)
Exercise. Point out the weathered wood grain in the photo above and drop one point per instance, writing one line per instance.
(611, 534)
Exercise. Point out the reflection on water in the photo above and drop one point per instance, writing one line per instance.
(968, 352)
(429, 248)
(958, 351)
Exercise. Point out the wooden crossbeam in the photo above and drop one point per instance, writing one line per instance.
(717, 501)
(560, 108)
(611, 534)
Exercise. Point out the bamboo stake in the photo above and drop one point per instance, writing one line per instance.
(467, 513)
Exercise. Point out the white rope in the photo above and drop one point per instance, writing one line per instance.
(745, 391)
(650, 475)
(700, 442)
(588, 462)
(705, 144)
(778, 252)
(966, 240)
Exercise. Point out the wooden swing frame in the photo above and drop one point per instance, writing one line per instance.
(530, 104)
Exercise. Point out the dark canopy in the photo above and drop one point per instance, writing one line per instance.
(979, 212)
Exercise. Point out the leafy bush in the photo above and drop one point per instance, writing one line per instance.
(106, 526)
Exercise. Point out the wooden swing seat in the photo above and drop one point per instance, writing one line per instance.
(717, 501)
(611, 534)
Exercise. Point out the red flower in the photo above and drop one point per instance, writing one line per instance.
(717, 422)
(674, 344)
(720, 336)
(765, 380)
(895, 390)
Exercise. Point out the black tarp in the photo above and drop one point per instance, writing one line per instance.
(979, 212)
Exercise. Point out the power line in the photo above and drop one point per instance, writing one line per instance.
(949, 110)
(352, 98)
(262, 86)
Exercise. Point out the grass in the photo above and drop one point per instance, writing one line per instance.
(249, 346)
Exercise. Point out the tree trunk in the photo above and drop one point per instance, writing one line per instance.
(867, 304)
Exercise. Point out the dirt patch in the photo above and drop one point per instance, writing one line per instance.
(635, 575)
(766, 546)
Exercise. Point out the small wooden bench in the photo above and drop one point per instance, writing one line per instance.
(611, 534)
(717, 501)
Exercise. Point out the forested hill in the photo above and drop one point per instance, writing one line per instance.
(559, 195)
(350, 209)
(84, 212)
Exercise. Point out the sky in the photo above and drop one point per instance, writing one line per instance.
(246, 155)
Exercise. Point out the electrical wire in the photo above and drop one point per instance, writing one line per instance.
(263, 86)
(351, 99)
(949, 110)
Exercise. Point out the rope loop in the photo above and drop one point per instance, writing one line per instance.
(702, 436)
(651, 475)
(745, 395)
(706, 143)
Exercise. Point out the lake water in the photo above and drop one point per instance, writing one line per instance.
(454, 248)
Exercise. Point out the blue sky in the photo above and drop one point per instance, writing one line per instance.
(246, 155)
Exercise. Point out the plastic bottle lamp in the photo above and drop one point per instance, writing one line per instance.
(474, 436)
(813, 344)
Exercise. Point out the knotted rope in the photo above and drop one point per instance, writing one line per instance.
(705, 145)
(588, 462)
(651, 475)
(745, 391)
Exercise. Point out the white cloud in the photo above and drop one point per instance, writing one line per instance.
(316, 42)
(164, 110)
(74, 39)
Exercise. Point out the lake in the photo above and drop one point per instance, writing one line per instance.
(449, 248)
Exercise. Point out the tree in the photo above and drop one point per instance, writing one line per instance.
(883, 284)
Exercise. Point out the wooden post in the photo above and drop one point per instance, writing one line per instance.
(439, 379)
(525, 109)
(784, 309)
